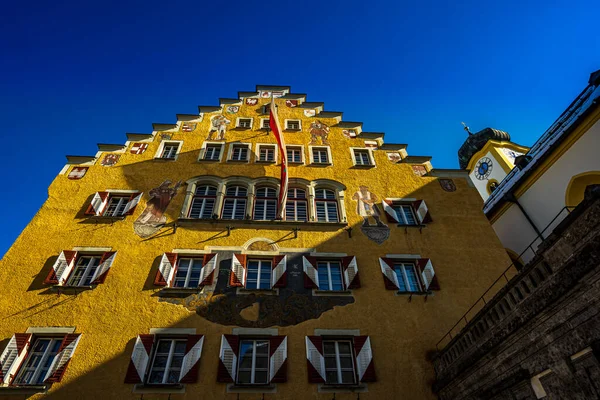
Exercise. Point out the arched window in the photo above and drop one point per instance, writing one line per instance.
(326, 205)
(203, 202)
(234, 204)
(265, 204)
(296, 205)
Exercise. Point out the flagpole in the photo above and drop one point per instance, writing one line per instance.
(276, 129)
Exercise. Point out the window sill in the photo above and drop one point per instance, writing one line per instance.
(22, 390)
(325, 388)
(203, 160)
(238, 161)
(145, 388)
(317, 292)
(295, 163)
(107, 218)
(315, 164)
(178, 292)
(236, 388)
(165, 159)
(71, 289)
(411, 226)
(247, 223)
(292, 130)
(410, 294)
(265, 162)
(264, 292)
(369, 166)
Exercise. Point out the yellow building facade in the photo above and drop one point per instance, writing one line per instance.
(160, 268)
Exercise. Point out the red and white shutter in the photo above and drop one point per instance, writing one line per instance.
(422, 211)
(364, 359)
(166, 269)
(311, 275)
(105, 263)
(207, 273)
(132, 203)
(279, 275)
(61, 361)
(13, 355)
(427, 272)
(278, 359)
(390, 213)
(97, 204)
(390, 279)
(62, 268)
(315, 361)
(238, 270)
(139, 359)
(191, 361)
(228, 358)
(350, 269)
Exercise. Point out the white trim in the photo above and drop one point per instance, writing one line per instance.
(237, 122)
(315, 254)
(285, 122)
(260, 239)
(172, 331)
(536, 384)
(260, 253)
(190, 251)
(159, 152)
(407, 199)
(404, 256)
(203, 150)
(302, 156)
(312, 160)
(369, 152)
(230, 151)
(50, 330)
(255, 331)
(124, 191)
(337, 332)
(257, 153)
(581, 353)
(262, 125)
(92, 249)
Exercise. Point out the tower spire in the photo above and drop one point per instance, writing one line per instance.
(466, 128)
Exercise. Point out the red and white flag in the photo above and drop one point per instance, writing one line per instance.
(276, 128)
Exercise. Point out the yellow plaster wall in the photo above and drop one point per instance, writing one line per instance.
(460, 242)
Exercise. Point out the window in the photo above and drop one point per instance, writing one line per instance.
(362, 157)
(212, 152)
(265, 123)
(254, 362)
(113, 204)
(405, 214)
(294, 154)
(326, 205)
(234, 204)
(265, 204)
(330, 275)
(185, 271)
(320, 155)
(73, 268)
(167, 361)
(266, 153)
(116, 206)
(169, 150)
(203, 202)
(296, 205)
(187, 274)
(339, 362)
(259, 274)
(40, 358)
(239, 152)
(245, 123)
(84, 270)
(292, 124)
(408, 280)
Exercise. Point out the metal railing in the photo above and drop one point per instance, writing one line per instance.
(505, 275)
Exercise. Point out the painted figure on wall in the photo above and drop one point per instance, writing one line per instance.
(366, 207)
(218, 124)
(318, 129)
(153, 218)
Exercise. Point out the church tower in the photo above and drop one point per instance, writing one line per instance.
(488, 156)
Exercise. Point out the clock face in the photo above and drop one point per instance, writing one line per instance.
(483, 169)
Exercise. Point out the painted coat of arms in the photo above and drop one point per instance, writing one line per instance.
(186, 127)
(138, 148)
(291, 103)
(110, 159)
(153, 218)
(233, 109)
(349, 133)
(77, 172)
(419, 170)
(394, 157)
(447, 184)
(310, 113)
(252, 101)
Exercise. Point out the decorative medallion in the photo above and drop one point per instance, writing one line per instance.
(153, 218)
(310, 113)
(366, 207)
(218, 125)
(186, 127)
(483, 169)
(110, 159)
(265, 95)
(138, 148)
(291, 103)
(371, 144)
(318, 129)
(447, 184)
(77, 173)
(419, 170)
(233, 109)
(394, 157)
(349, 133)
(278, 93)
(252, 101)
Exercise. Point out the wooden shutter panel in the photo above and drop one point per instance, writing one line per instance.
(132, 203)
(390, 213)
(166, 269)
(191, 361)
(311, 275)
(364, 359)
(350, 268)
(389, 275)
(279, 275)
(13, 355)
(427, 273)
(97, 204)
(209, 264)
(315, 361)
(278, 359)
(62, 268)
(139, 359)
(63, 357)
(105, 263)
(237, 276)
(228, 358)
(422, 211)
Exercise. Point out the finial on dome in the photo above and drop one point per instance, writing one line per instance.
(466, 128)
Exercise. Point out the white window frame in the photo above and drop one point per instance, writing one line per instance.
(124, 198)
(193, 261)
(236, 144)
(401, 215)
(262, 123)
(259, 146)
(37, 372)
(211, 143)
(253, 366)
(235, 198)
(340, 216)
(238, 120)
(88, 272)
(168, 367)
(403, 265)
(158, 155)
(305, 200)
(312, 158)
(362, 149)
(260, 268)
(295, 146)
(338, 363)
(264, 199)
(202, 196)
(287, 128)
(329, 267)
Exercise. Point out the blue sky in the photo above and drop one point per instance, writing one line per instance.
(74, 74)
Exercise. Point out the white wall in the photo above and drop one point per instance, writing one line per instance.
(497, 174)
(515, 232)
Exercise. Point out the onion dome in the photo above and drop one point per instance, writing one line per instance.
(476, 141)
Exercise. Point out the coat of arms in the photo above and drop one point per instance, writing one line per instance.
(110, 160)
(138, 148)
(233, 109)
(188, 127)
(447, 184)
(251, 101)
(291, 103)
(349, 133)
(77, 172)
(394, 157)
(310, 113)
(419, 170)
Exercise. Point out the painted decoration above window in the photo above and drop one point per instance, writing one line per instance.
(138, 148)
(110, 159)
(419, 170)
(188, 127)
(371, 143)
(233, 109)
(394, 157)
(310, 113)
(252, 101)
(218, 123)
(366, 207)
(349, 133)
(77, 172)
(317, 130)
(448, 185)
(291, 103)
